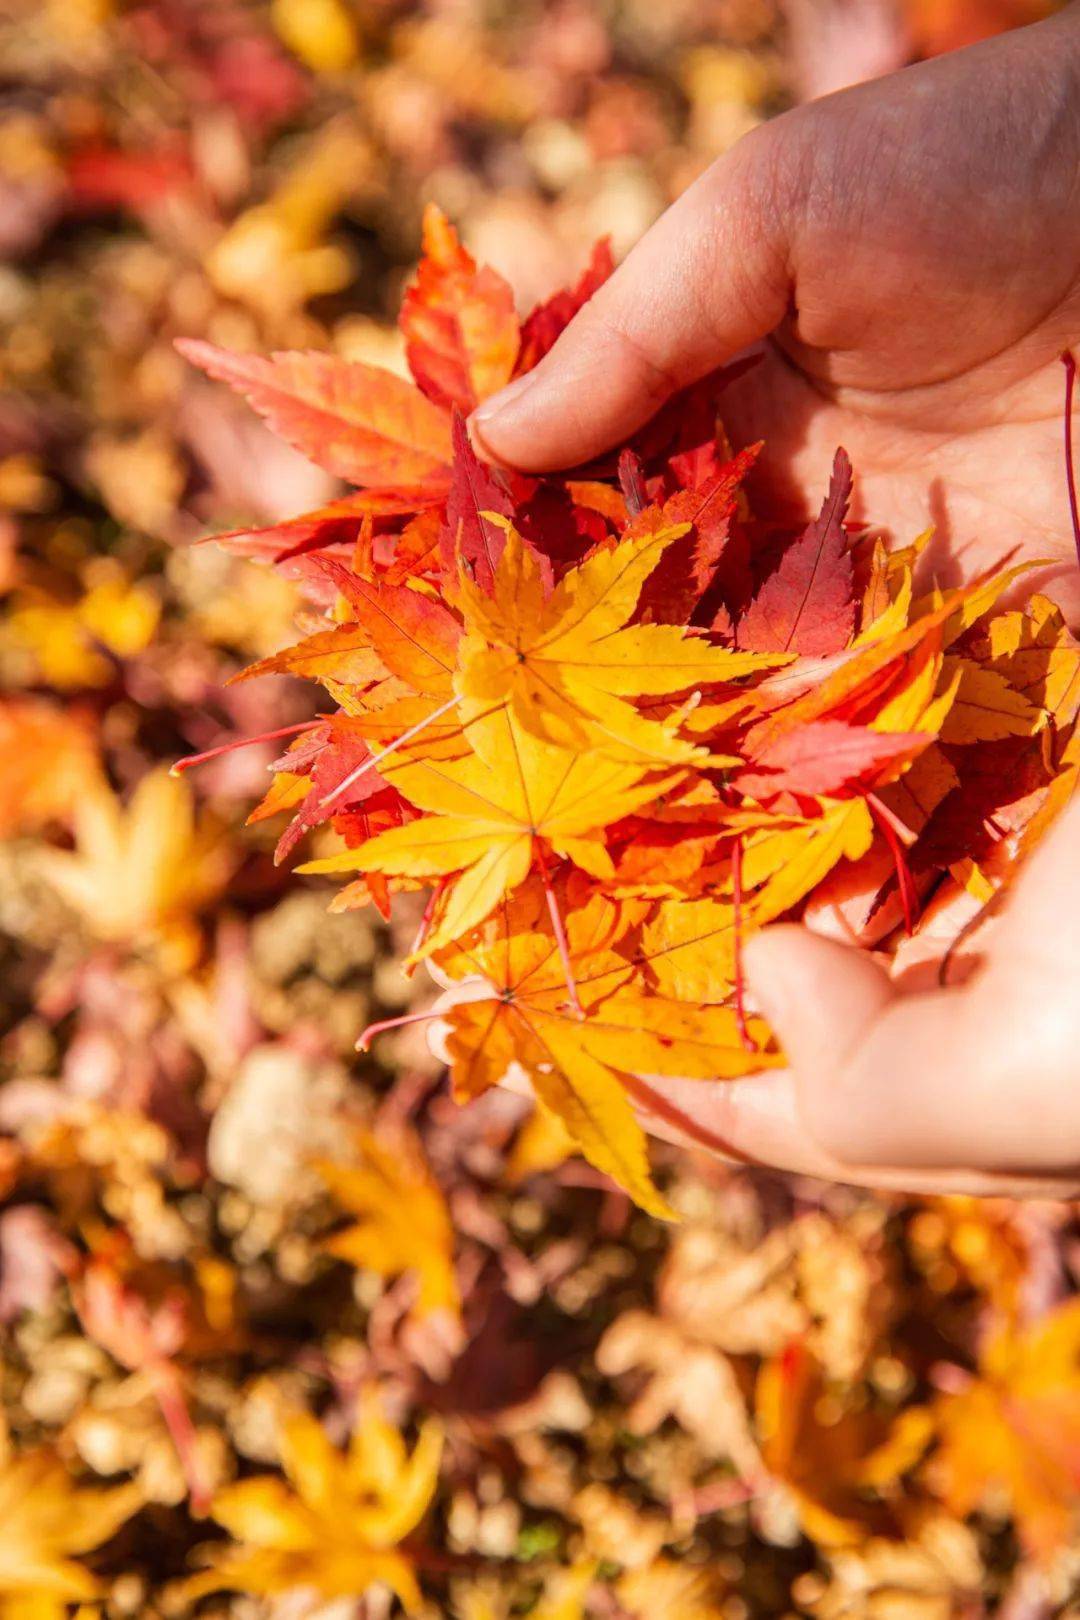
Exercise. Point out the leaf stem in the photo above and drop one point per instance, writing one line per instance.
(909, 895)
(881, 810)
(385, 1024)
(560, 932)
(740, 986)
(632, 483)
(185, 764)
(391, 748)
(425, 921)
(169, 1394)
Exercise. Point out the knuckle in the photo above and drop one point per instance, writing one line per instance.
(781, 159)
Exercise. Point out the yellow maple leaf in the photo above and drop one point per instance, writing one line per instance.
(404, 1223)
(140, 872)
(274, 256)
(286, 792)
(568, 664)
(542, 1143)
(689, 945)
(886, 603)
(1039, 656)
(924, 697)
(987, 707)
(321, 33)
(582, 1066)
(690, 948)
(490, 813)
(335, 1522)
(121, 615)
(786, 865)
(46, 1521)
(343, 653)
(813, 688)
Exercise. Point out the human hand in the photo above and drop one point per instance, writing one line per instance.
(909, 252)
(968, 1089)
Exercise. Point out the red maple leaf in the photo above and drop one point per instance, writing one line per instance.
(807, 604)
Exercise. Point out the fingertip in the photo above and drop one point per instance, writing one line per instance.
(474, 427)
(752, 1120)
(767, 954)
(495, 427)
(821, 997)
(799, 976)
(579, 400)
(857, 1046)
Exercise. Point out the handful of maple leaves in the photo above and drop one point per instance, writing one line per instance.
(610, 727)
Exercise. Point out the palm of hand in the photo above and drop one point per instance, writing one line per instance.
(992, 485)
(985, 467)
(934, 283)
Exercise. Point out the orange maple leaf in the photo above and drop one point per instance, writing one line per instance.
(1015, 1427)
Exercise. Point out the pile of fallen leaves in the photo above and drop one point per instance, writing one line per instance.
(285, 1332)
(610, 728)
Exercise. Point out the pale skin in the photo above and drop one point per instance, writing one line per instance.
(908, 254)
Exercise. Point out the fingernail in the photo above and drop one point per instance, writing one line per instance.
(497, 413)
(504, 400)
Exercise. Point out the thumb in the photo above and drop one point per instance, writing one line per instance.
(823, 998)
(709, 278)
(982, 1075)
(881, 1078)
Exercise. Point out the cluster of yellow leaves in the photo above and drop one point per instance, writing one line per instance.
(580, 1066)
(831, 1458)
(1004, 1439)
(890, 1460)
(67, 642)
(1011, 1433)
(548, 751)
(275, 255)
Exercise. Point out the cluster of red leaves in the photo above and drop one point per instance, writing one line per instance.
(612, 726)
